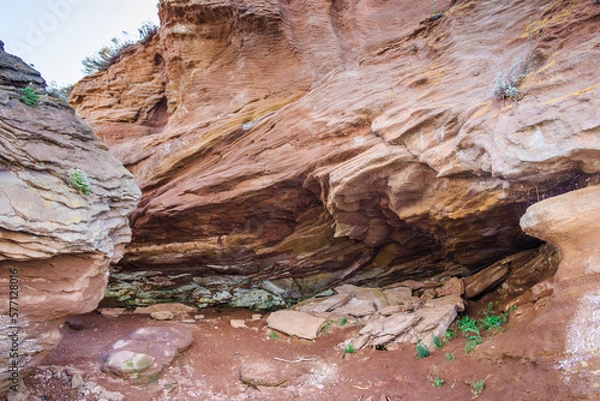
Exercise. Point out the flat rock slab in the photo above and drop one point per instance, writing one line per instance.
(175, 308)
(162, 315)
(143, 353)
(262, 374)
(111, 312)
(295, 323)
(238, 323)
(356, 307)
(323, 305)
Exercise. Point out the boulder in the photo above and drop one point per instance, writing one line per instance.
(144, 353)
(64, 208)
(296, 323)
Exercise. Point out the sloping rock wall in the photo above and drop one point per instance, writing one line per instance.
(56, 239)
(296, 145)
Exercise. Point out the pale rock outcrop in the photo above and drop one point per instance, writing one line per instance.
(569, 328)
(294, 146)
(56, 243)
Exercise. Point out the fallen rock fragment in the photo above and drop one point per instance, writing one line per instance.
(123, 363)
(385, 330)
(296, 323)
(355, 307)
(453, 286)
(485, 279)
(143, 353)
(261, 374)
(162, 315)
(431, 319)
(111, 312)
(397, 295)
(373, 295)
(323, 305)
(238, 323)
(175, 308)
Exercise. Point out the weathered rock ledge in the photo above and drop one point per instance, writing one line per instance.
(293, 146)
(56, 241)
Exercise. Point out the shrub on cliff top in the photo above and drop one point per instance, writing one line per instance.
(29, 96)
(108, 55)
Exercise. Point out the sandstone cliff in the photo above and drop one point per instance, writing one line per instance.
(64, 207)
(296, 145)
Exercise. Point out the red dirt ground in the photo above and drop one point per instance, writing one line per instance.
(210, 369)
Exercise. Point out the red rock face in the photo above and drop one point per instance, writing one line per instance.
(64, 204)
(308, 143)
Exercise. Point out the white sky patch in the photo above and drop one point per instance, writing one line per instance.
(56, 35)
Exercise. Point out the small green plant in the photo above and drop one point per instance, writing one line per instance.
(29, 96)
(422, 350)
(437, 341)
(450, 334)
(349, 349)
(468, 326)
(472, 343)
(79, 181)
(343, 321)
(325, 329)
(493, 322)
(274, 335)
(478, 387)
(450, 356)
(438, 382)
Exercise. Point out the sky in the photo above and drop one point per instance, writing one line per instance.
(55, 35)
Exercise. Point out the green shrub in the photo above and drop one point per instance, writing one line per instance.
(29, 96)
(343, 321)
(422, 350)
(438, 382)
(478, 387)
(472, 343)
(436, 341)
(450, 356)
(468, 326)
(349, 349)
(79, 181)
(109, 55)
(450, 334)
(491, 321)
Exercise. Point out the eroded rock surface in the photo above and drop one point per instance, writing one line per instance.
(56, 243)
(293, 146)
(143, 354)
(569, 327)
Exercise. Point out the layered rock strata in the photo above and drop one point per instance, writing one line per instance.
(292, 146)
(64, 207)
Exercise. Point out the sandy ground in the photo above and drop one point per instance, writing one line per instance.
(312, 370)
